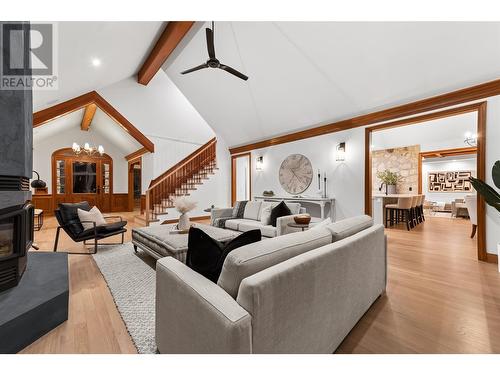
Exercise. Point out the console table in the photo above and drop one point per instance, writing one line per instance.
(323, 203)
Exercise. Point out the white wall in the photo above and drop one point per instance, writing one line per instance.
(162, 113)
(431, 165)
(345, 179)
(492, 155)
(42, 155)
(158, 109)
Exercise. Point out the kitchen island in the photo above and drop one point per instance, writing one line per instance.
(379, 200)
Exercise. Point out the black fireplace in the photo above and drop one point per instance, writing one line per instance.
(16, 161)
(16, 237)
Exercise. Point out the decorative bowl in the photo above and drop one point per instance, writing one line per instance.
(302, 219)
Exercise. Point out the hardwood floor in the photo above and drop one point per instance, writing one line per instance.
(94, 324)
(439, 299)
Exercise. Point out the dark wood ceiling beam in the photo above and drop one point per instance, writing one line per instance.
(88, 116)
(169, 39)
(61, 109)
(136, 154)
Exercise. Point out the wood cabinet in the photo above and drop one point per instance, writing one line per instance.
(77, 178)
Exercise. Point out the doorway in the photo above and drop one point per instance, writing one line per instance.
(478, 112)
(241, 186)
(134, 184)
(77, 178)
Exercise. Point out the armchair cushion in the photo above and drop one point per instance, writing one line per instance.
(280, 210)
(206, 255)
(102, 231)
(68, 213)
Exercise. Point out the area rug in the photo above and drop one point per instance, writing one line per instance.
(131, 279)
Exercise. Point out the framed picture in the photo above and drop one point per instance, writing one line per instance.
(449, 181)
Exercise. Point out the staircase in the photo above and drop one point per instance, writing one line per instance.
(177, 181)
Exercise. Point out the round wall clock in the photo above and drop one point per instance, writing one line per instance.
(295, 174)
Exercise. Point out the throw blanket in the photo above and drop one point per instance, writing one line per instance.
(238, 210)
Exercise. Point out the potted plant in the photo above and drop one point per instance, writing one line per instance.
(390, 180)
(183, 205)
(490, 195)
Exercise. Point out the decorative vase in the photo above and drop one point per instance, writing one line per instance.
(183, 222)
(391, 189)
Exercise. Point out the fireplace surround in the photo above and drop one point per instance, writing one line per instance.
(16, 237)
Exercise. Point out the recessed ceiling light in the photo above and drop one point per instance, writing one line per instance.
(96, 62)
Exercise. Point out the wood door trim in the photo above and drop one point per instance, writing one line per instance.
(131, 182)
(440, 154)
(65, 154)
(171, 36)
(233, 174)
(480, 170)
(468, 94)
(45, 115)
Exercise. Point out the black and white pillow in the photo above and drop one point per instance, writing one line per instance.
(239, 209)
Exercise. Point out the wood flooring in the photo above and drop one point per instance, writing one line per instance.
(439, 298)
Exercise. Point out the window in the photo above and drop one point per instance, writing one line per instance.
(84, 177)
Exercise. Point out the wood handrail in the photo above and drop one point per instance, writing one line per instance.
(193, 166)
(156, 181)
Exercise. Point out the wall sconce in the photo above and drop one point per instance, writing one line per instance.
(341, 151)
(259, 164)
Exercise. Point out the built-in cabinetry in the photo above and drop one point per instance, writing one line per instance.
(77, 178)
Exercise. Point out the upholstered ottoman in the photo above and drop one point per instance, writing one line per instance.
(159, 241)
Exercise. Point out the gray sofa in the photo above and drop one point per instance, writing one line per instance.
(253, 218)
(298, 293)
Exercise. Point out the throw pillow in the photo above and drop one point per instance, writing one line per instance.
(265, 213)
(239, 209)
(206, 255)
(278, 211)
(93, 215)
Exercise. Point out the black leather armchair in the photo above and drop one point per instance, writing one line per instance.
(67, 217)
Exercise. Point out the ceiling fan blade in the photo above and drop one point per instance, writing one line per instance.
(210, 43)
(233, 71)
(202, 66)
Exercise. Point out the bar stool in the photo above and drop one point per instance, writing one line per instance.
(414, 203)
(420, 209)
(402, 209)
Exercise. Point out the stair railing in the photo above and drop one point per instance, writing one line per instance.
(179, 177)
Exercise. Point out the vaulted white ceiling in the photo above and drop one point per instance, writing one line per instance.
(304, 74)
(120, 46)
(102, 128)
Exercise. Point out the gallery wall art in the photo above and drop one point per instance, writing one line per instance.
(449, 181)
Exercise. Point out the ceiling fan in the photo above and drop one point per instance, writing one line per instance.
(212, 61)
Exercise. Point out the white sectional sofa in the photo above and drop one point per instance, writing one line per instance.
(254, 217)
(297, 293)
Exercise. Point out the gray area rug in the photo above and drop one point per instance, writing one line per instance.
(131, 278)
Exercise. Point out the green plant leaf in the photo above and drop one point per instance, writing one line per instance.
(488, 193)
(496, 173)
